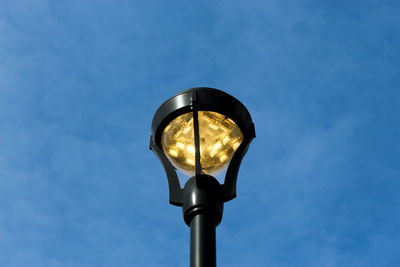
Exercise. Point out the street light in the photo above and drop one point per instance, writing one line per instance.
(201, 132)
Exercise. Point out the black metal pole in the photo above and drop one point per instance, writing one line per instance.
(202, 211)
(202, 241)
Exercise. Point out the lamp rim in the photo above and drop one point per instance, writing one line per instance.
(205, 99)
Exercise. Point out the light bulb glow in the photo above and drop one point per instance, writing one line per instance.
(190, 149)
(173, 153)
(213, 126)
(180, 145)
(190, 162)
(219, 136)
(236, 144)
(215, 149)
(223, 157)
(225, 140)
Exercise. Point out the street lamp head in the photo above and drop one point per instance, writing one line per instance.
(201, 131)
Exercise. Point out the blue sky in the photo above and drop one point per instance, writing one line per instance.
(80, 82)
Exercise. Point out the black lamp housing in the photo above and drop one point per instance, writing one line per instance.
(194, 100)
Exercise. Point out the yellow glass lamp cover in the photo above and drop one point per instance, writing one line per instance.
(219, 139)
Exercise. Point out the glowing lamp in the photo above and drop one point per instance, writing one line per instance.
(219, 137)
(201, 132)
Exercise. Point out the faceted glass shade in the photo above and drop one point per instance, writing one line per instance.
(219, 139)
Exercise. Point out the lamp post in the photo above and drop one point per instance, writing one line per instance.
(201, 132)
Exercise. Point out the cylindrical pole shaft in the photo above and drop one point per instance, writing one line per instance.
(202, 241)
